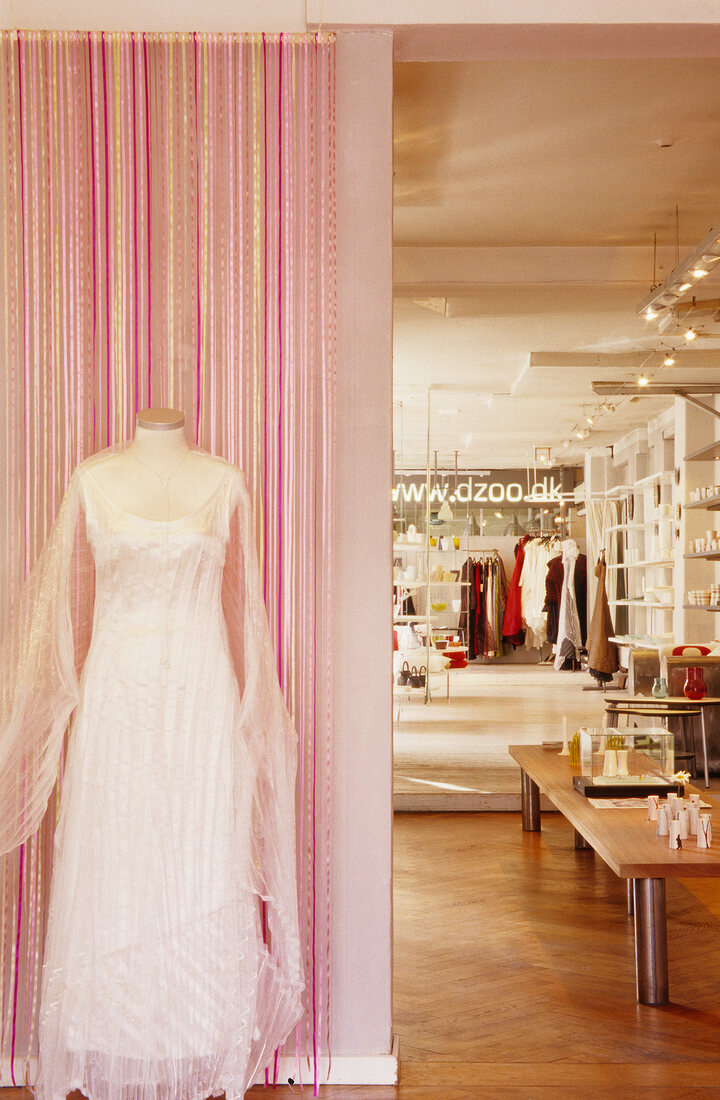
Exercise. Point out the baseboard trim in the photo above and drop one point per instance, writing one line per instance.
(6, 1079)
(341, 1069)
(454, 802)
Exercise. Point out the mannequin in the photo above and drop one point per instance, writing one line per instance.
(158, 476)
(143, 624)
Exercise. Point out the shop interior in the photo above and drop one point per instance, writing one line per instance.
(556, 344)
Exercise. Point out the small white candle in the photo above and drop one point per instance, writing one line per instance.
(693, 816)
(674, 836)
(704, 833)
(565, 750)
(653, 802)
(684, 823)
(663, 820)
(610, 766)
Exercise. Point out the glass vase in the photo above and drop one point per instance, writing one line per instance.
(695, 684)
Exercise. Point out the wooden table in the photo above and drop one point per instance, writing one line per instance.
(670, 702)
(626, 840)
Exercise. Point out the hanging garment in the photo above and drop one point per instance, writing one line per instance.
(172, 964)
(569, 641)
(553, 595)
(602, 653)
(481, 620)
(468, 605)
(581, 583)
(491, 585)
(538, 553)
(501, 589)
(512, 627)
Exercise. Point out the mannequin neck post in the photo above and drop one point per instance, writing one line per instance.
(160, 444)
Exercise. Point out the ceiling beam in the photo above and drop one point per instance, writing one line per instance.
(533, 265)
(654, 389)
(692, 359)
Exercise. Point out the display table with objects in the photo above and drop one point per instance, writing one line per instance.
(620, 703)
(626, 841)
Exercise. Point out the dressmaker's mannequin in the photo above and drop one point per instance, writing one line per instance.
(158, 476)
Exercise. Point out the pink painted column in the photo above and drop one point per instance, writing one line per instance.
(361, 941)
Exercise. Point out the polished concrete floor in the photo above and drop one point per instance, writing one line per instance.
(452, 753)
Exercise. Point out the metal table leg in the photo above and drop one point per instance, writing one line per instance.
(580, 841)
(630, 901)
(704, 743)
(530, 801)
(651, 967)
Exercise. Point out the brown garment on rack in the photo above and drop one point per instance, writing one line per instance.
(602, 653)
(468, 606)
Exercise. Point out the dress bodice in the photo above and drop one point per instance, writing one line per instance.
(157, 579)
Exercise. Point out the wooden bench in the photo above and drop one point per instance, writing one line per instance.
(626, 841)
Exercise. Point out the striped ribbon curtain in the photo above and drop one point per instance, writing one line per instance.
(168, 239)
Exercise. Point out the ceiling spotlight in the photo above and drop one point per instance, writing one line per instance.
(566, 444)
(695, 265)
(691, 334)
(642, 380)
(650, 314)
(668, 361)
(499, 515)
(581, 433)
(589, 420)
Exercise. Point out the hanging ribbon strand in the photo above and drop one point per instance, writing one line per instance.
(167, 205)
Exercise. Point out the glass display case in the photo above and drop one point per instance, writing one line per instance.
(638, 761)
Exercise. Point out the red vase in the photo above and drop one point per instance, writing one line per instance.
(695, 684)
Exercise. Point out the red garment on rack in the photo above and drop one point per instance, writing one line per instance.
(512, 620)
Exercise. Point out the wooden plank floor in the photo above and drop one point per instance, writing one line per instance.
(514, 973)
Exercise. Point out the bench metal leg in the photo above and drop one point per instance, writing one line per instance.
(530, 801)
(630, 900)
(580, 841)
(651, 966)
(704, 745)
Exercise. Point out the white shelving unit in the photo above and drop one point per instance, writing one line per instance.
(645, 533)
(710, 453)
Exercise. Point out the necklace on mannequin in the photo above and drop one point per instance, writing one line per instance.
(164, 481)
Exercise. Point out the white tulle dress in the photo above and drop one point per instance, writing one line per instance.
(172, 965)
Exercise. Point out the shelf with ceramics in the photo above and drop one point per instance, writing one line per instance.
(644, 528)
(663, 563)
(710, 504)
(652, 604)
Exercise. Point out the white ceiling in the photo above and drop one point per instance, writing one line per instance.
(527, 194)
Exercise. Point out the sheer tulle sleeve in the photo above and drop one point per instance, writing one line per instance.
(267, 747)
(40, 656)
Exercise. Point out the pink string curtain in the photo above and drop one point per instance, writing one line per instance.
(168, 239)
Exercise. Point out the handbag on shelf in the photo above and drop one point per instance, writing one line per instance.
(404, 674)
